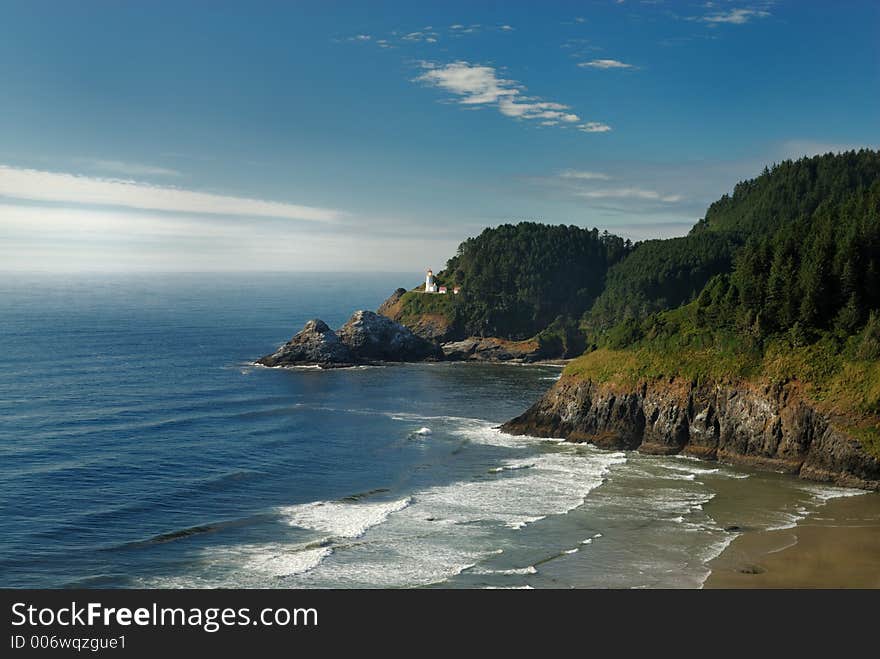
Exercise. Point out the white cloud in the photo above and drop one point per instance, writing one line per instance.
(458, 29)
(475, 84)
(582, 175)
(506, 28)
(127, 168)
(606, 64)
(630, 193)
(734, 16)
(37, 185)
(70, 239)
(594, 127)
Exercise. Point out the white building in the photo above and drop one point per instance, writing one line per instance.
(430, 284)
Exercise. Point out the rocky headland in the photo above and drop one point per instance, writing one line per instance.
(367, 338)
(765, 426)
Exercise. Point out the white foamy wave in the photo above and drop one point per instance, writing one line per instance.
(511, 467)
(449, 528)
(823, 493)
(526, 587)
(280, 560)
(575, 550)
(691, 469)
(246, 566)
(340, 519)
(680, 477)
(714, 550)
(788, 519)
(531, 569)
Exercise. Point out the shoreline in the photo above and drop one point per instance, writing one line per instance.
(837, 546)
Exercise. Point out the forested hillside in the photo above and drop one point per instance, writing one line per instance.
(518, 279)
(794, 252)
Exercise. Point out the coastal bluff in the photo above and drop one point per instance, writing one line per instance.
(366, 338)
(765, 426)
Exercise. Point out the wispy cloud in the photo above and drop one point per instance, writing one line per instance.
(477, 85)
(43, 186)
(457, 29)
(605, 64)
(424, 35)
(732, 16)
(44, 237)
(630, 193)
(582, 175)
(594, 127)
(127, 168)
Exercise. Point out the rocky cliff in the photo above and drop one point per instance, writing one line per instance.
(764, 426)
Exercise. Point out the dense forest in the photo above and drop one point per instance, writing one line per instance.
(809, 263)
(660, 274)
(518, 279)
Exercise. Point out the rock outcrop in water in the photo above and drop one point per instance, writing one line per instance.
(315, 344)
(490, 349)
(768, 427)
(365, 338)
(372, 337)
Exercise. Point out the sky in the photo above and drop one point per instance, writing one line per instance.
(376, 136)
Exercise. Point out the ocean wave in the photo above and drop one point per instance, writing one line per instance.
(510, 467)
(428, 537)
(691, 469)
(824, 493)
(180, 534)
(525, 587)
(531, 569)
(339, 518)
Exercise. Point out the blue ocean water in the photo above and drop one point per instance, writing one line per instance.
(140, 447)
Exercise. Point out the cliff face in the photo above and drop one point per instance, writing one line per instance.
(769, 427)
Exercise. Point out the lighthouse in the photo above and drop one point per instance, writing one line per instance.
(430, 284)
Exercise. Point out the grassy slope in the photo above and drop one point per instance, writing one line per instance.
(415, 305)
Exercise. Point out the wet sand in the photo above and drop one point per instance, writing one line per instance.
(836, 547)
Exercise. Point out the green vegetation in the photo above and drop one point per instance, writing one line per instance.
(660, 274)
(416, 304)
(518, 279)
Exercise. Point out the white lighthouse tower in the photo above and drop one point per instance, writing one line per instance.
(430, 284)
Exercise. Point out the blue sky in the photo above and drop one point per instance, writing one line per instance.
(377, 136)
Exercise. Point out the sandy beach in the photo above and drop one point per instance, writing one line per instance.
(837, 547)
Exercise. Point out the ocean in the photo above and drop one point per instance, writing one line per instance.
(142, 448)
